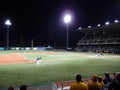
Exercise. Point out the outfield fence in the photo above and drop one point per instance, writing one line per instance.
(26, 48)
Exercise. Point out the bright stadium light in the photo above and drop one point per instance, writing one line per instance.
(98, 25)
(8, 23)
(116, 21)
(89, 26)
(67, 19)
(107, 23)
(79, 28)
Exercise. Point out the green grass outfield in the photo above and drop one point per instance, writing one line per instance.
(56, 66)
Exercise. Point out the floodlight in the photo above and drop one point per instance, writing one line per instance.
(107, 23)
(7, 22)
(116, 21)
(98, 25)
(67, 18)
(89, 26)
(79, 28)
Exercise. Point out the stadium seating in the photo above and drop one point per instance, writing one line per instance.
(104, 38)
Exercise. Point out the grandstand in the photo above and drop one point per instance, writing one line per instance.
(101, 38)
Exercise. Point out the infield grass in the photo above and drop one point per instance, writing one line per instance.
(55, 67)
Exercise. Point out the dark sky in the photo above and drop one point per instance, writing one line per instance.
(42, 20)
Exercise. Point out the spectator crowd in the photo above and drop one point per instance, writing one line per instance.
(97, 82)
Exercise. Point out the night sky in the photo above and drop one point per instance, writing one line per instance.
(42, 20)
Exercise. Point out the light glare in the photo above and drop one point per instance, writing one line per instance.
(98, 25)
(79, 28)
(67, 18)
(89, 26)
(107, 23)
(116, 21)
(7, 22)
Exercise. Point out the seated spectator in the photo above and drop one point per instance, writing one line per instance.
(107, 80)
(10, 88)
(101, 82)
(23, 87)
(115, 84)
(94, 84)
(114, 76)
(78, 85)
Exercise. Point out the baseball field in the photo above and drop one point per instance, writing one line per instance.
(19, 67)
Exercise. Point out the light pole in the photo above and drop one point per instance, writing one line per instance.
(67, 19)
(7, 23)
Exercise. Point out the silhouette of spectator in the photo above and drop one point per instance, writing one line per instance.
(114, 76)
(78, 85)
(101, 82)
(107, 80)
(10, 88)
(115, 84)
(94, 84)
(23, 87)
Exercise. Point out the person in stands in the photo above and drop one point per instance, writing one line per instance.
(78, 85)
(23, 87)
(10, 88)
(94, 84)
(115, 84)
(107, 80)
(101, 82)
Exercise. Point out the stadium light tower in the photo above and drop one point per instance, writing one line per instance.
(8, 23)
(67, 19)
